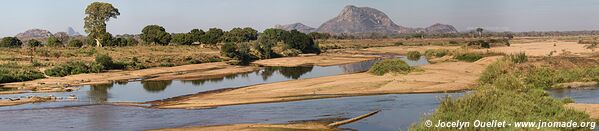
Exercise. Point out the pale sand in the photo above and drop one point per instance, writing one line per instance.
(591, 109)
(543, 48)
(442, 77)
(6, 102)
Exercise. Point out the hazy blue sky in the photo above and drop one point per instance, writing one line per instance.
(183, 15)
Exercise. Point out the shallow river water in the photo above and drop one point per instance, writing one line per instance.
(88, 113)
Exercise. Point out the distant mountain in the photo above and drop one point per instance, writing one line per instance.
(296, 26)
(366, 20)
(72, 32)
(440, 29)
(354, 19)
(34, 34)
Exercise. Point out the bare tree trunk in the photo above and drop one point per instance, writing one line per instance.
(98, 44)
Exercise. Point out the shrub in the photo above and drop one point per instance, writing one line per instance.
(167, 64)
(71, 68)
(10, 42)
(390, 66)
(469, 57)
(75, 43)
(413, 55)
(53, 42)
(229, 49)
(436, 52)
(518, 58)
(105, 61)
(34, 43)
(12, 72)
(291, 52)
(182, 39)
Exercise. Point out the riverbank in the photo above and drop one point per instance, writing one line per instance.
(441, 77)
(62, 84)
(316, 60)
(591, 109)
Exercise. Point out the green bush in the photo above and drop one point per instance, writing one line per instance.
(413, 55)
(291, 52)
(390, 66)
(34, 43)
(72, 68)
(436, 52)
(105, 61)
(13, 72)
(519, 57)
(10, 42)
(469, 57)
(53, 42)
(75, 43)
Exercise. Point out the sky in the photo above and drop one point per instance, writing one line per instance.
(184, 15)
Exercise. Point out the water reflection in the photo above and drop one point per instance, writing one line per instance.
(156, 86)
(141, 91)
(99, 93)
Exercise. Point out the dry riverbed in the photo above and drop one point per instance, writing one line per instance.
(441, 77)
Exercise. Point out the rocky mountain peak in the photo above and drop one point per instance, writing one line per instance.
(34, 34)
(296, 26)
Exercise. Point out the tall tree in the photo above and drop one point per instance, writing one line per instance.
(480, 32)
(212, 36)
(196, 34)
(155, 34)
(98, 13)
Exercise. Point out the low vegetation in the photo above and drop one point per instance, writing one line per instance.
(436, 53)
(13, 72)
(469, 57)
(413, 55)
(507, 93)
(390, 66)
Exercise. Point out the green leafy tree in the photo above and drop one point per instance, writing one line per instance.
(34, 43)
(182, 39)
(155, 34)
(300, 41)
(240, 35)
(75, 43)
(229, 49)
(480, 32)
(274, 34)
(264, 46)
(212, 36)
(196, 35)
(11, 42)
(98, 13)
(105, 61)
(53, 42)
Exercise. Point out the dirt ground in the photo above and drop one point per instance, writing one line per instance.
(591, 109)
(318, 60)
(442, 77)
(195, 71)
(544, 48)
(402, 49)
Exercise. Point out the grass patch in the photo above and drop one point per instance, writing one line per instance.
(73, 68)
(469, 57)
(390, 66)
(13, 72)
(436, 52)
(506, 93)
(518, 58)
(413, 55)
